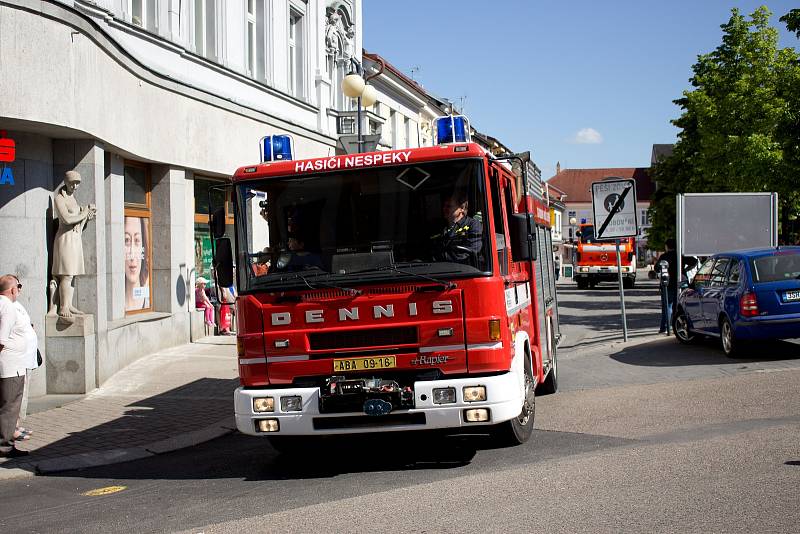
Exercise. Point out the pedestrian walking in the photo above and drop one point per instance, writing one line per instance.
(13, 353)
(670, 289)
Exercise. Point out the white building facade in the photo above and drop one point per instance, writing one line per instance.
(152, 102)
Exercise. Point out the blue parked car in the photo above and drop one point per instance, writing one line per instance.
(741, 296)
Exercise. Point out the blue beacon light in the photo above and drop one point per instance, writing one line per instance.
(276, 147)
(452, 129)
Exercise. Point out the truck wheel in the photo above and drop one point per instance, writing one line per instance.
(550, 384)
(518, 430)
(583, 283)
(628, 283)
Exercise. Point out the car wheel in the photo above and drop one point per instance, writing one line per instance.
(680, 325)
(730, 346)
(518, 430)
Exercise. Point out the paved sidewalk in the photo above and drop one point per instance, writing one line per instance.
(169, 400)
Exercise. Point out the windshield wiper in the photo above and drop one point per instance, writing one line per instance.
(445, 284)
(314, 285)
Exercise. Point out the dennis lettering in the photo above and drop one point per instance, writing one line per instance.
(379, 312)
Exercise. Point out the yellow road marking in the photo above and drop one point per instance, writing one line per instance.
(104, 491)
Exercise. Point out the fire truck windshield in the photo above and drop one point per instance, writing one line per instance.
(359, 226)
(587, 234)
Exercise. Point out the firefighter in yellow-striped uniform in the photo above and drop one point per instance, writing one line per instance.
(460, 241)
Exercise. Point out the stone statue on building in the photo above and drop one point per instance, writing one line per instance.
(68, 245)
(339, 35)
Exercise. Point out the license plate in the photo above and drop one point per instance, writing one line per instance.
(364, 364)
(791, 296)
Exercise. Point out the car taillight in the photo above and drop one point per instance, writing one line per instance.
(748, 305)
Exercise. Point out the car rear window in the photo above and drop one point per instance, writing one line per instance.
(779, 266)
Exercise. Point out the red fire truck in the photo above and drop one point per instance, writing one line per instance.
(364, 306)
(596, 261)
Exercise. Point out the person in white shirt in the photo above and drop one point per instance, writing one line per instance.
(32, 361)
(13, 358)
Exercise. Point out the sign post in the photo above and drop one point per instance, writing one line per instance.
(614, 209)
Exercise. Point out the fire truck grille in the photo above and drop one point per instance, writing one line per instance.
(379, 337)
(329, 294)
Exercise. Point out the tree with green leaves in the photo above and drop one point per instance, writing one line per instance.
(740, 125)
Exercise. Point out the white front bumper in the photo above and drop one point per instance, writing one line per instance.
(503, 399)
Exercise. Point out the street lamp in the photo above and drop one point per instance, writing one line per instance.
(572, 223)
(354, 85)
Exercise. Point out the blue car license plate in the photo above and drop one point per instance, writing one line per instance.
(791, 296)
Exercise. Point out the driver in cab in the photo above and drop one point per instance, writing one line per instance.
(460, 240)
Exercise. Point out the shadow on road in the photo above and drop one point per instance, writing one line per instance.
(141, 423)
(613, 321)
(668, 352)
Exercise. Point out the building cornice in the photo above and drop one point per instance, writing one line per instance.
(80, 19)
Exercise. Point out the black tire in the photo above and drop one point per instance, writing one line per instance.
(550, 383)
(583, 283)
(628, 283)
(727, 339)
(680, 326)
(518, 430)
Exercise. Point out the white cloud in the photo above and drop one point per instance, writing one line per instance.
(588, 136)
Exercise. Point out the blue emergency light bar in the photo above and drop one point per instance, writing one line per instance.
(276, 147)
(452, 129)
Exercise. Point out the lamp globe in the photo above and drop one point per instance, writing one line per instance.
(369, 96)
(353, 85)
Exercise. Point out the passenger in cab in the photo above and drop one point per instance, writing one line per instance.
(461, 239)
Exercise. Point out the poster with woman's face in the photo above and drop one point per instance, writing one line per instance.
(137, 269)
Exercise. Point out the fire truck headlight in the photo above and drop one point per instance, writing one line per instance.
(476, 415)
(494, 329)
(264, 404)
(268, 425)
(444, 395)
(292, 404)
(474, 393)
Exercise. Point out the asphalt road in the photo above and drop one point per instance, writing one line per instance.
(643, 436)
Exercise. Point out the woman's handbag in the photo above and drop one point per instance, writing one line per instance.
(38, 358)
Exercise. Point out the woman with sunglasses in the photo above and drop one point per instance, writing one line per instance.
(31, 361)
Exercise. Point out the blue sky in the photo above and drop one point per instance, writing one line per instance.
(588, 83)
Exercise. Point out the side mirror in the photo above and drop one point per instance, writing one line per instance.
(577, 233)
(685, 284)
(217, 223)
(522, 243)
(223, 262)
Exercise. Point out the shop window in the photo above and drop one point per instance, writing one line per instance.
(202, 233)
(138, 246)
